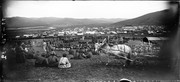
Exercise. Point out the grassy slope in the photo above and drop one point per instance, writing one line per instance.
(86, 69)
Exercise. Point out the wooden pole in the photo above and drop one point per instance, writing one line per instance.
(108, 39)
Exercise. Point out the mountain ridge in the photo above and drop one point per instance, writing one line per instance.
(15, 22)
(154, 18)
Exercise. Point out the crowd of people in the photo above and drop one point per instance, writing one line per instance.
(52, 60)
(19, 51)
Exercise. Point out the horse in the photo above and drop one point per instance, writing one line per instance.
(121, 51)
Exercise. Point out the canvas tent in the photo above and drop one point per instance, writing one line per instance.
(147, 39)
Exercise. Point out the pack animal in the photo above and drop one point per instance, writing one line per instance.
(120, 51)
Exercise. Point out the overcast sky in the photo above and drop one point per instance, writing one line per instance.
(83, 9)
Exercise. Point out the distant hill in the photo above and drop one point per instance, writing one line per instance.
(16, 22)
(155, 18)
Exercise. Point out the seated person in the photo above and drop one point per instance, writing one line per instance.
(72, 51)
(53, 60)
(51, 51)
(30, 54)
(64, 62)
(88, 54)
(40, 60)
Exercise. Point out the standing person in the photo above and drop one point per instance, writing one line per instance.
(64, 62)
(49, 47)
(33, 43)
(23, 45)
(44, 46)
(20, 55)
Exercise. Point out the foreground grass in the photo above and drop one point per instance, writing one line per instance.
(86, 69)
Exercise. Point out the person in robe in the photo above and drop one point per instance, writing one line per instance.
(53, 60)
(64, 62)
(20, 54)
(41, 60)
(44, 46)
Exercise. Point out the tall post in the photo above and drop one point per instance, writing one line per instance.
(108, 39)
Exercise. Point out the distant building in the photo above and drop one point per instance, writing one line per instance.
(73, 32)
(51, 35)
(61, 33)
(17, 36)
(35, 35)
(150, 32)
(80, 33)
(129, 28)
(90, 32)
(27, 35)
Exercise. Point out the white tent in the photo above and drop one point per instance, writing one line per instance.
(156, 38)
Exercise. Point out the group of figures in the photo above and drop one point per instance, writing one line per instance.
(49, 58)
(20, 52)
(52, 60)
(86, 51)
(83, 51)
(16, 52)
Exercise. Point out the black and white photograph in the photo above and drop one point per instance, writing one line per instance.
(90, 41)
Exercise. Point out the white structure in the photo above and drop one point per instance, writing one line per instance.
(90, 32)
(17, 36)
(51, 28)
(150, 32)
(79, 33)
(130, 28)
(35, 35)
(156, 38)
(61, 33)
(27, 35)
(51, 34)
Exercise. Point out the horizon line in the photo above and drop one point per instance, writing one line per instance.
(85, 17)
